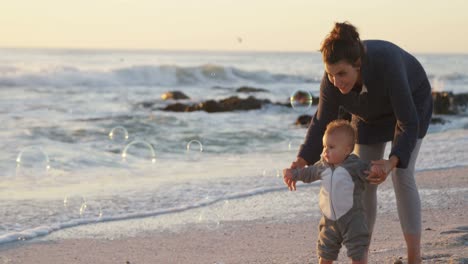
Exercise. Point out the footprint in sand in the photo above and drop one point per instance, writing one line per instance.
(460, 240)
(459, 236)
(444, 258)
(460, 229)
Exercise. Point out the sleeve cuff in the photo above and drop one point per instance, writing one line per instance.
(295, 173)
(403, 158)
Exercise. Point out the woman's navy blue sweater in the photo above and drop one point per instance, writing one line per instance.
(397, 105)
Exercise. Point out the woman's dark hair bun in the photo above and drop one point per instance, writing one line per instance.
(345, 32)
(343, 43)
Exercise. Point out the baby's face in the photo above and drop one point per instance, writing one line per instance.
(335, 148)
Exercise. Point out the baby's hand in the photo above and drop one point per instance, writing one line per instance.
(288, 179)
(377, 173)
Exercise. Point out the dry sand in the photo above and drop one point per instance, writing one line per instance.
(444, 239)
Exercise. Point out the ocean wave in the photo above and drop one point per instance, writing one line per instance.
(141, 75)
(48, 228)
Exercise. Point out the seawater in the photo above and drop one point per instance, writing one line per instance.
(62, 104)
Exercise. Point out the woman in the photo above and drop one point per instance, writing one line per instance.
(389, 96)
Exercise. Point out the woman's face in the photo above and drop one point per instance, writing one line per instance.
(343, 75)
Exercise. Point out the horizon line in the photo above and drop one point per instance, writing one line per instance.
(199, 50)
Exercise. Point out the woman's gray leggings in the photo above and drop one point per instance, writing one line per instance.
(406, 192)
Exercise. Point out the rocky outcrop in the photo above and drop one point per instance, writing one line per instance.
(174, 95)
(232, 103)
(448, 103)
(445, 103)
(247, 89)
(438, 120)
(177, 107)
(303, 120)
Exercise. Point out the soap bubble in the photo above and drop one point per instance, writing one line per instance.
(90, 209)
(271, 173)
(32, 162)
(74, 205)
(194, 150)
(118, 135)
(294, 144)
(301, 100)
(290, 145)
(79, 206)
(209, 219)
(139, 149)
(273, 177)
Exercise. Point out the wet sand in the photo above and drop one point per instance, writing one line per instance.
(444, 238)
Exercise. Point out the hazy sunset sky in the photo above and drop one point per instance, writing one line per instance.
(260, 25)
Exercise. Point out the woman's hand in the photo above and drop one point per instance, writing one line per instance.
(380, 169)
(378, 172)
(298, 163)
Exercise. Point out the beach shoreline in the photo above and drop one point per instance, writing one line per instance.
(444, 238)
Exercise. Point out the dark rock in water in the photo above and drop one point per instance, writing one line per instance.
(247, 89)
(303, 120)
(448, 103)
(210, 106)
(287, 104)
(174, 95)
(461, 102)
(233, 103)
(438, 120)
(177, 107)
(443, 103)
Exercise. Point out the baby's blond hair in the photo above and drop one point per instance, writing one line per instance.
(345, 127)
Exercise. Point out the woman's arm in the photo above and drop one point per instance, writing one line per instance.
(407, 125)
(327, 111)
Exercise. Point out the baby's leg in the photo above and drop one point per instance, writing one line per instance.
(329, 241)
(325, 261)
(355, 235)
(362, 261)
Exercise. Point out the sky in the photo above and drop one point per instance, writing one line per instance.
(425, 26)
